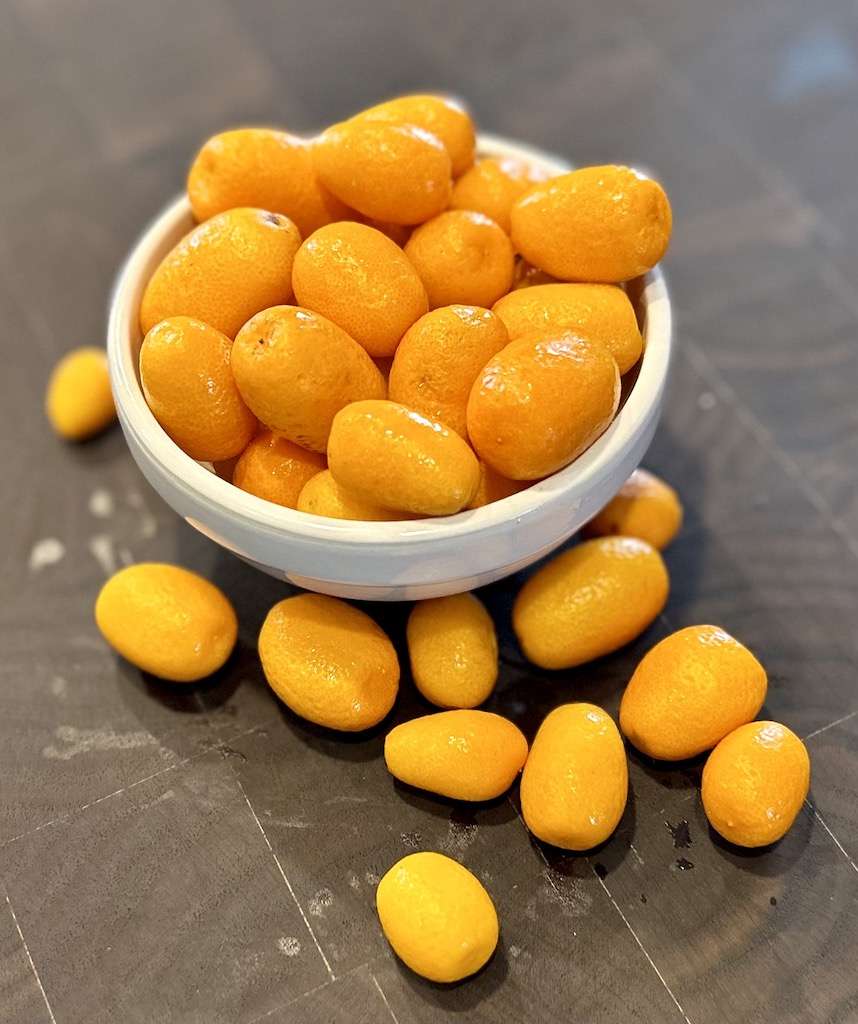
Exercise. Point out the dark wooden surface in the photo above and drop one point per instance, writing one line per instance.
(200, 855)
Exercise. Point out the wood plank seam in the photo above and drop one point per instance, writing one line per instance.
(643, 948)
(29, 957)
(393, 1016)
(616, 907)
(319, 988)
(831, 725)
(833, 837)
(123, 789)
(255, 816)
(810, 806)
(713, 377)
(292, 893)
(831, 274)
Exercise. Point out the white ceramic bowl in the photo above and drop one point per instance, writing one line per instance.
(384, 561)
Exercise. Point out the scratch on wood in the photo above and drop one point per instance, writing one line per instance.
(834, 838)
(393, 1016)
(642, 948)
(831, 725)
(29, 957)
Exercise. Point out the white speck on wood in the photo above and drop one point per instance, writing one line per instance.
(46, 552)
(572, 897)
(460, 835)
(706, 401)
(59, 686)
(292, 822)
(101, 549)
(89, 643)
(101, 504)
(289, 945)
(247, 967)
(170, 793)
(323, 898)
(148, 526)
(73, 741)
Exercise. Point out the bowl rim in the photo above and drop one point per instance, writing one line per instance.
(198, 482)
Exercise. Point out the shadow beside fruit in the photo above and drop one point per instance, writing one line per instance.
(460, 996)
